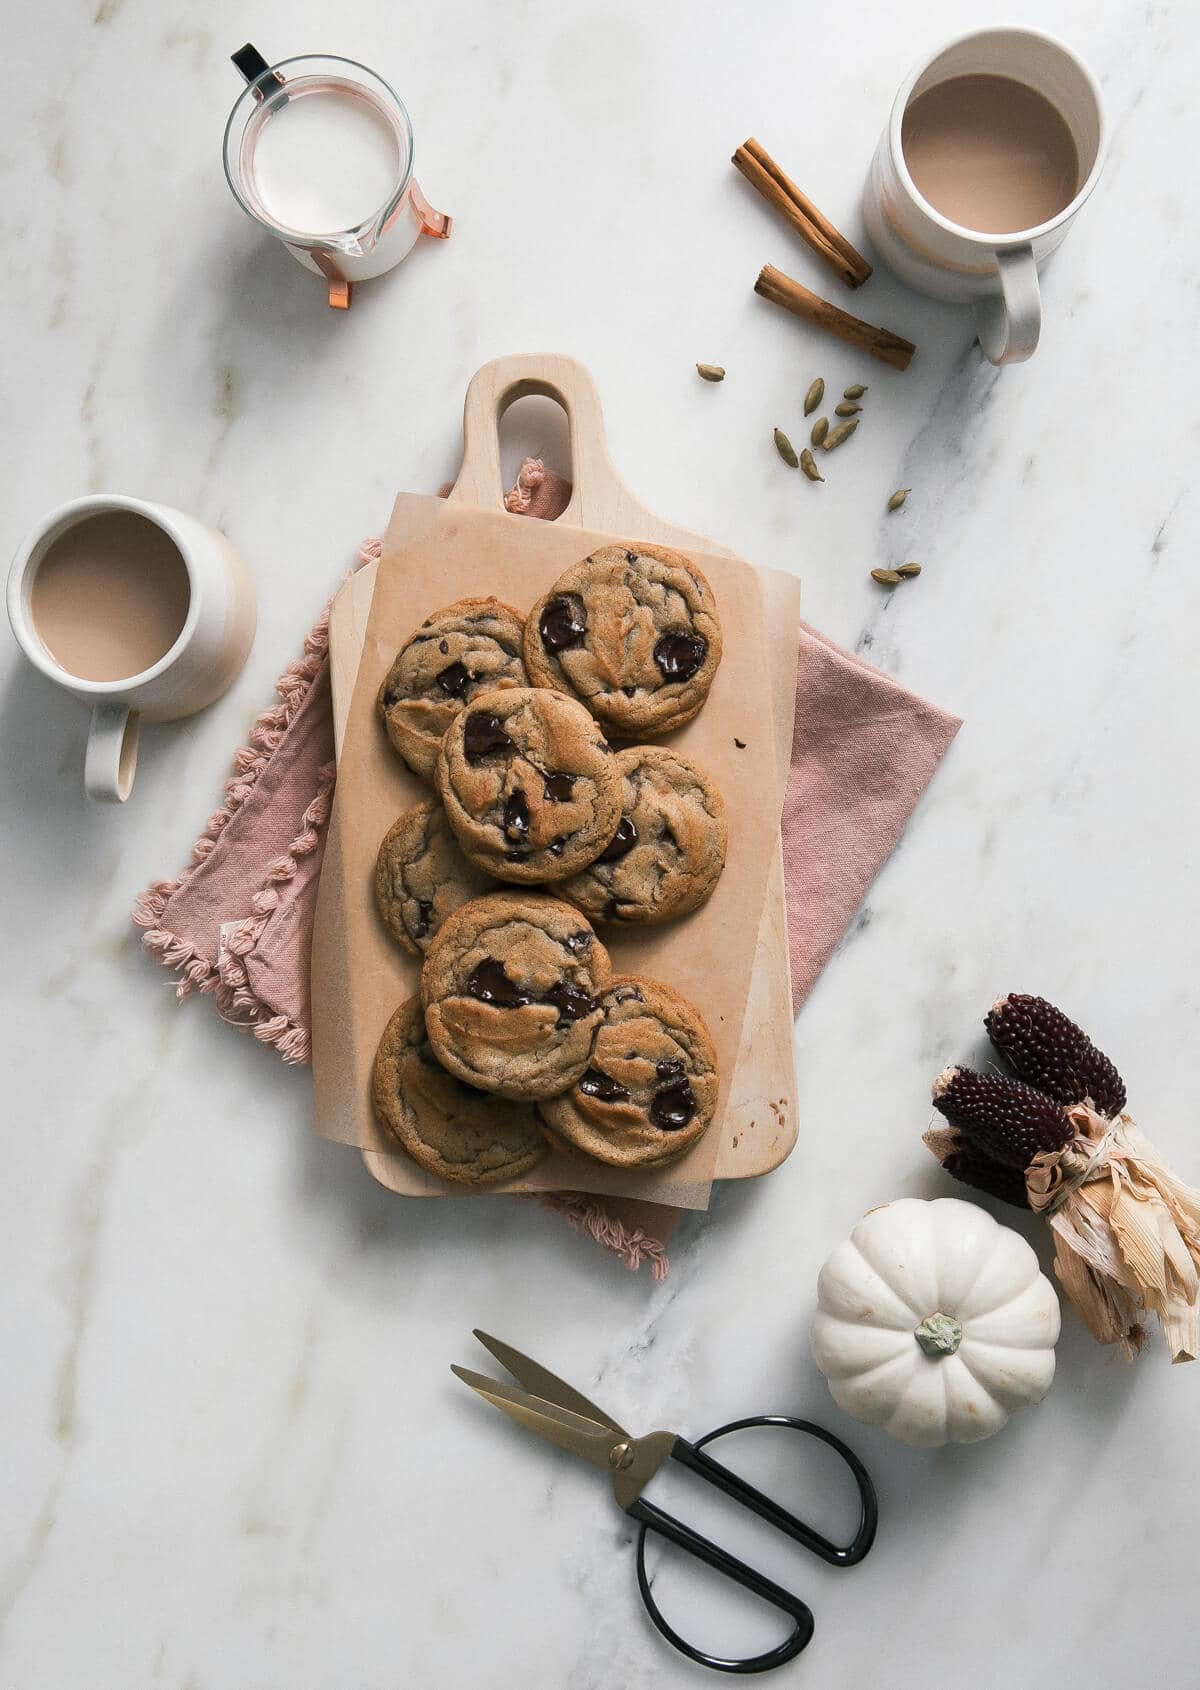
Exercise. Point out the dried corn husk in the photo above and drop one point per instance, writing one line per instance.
(1126, 1232)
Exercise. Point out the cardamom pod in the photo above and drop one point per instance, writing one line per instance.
(906, 571)
(842, 432)
(886, 577)
(845, 409)
(785, 449)
(898, 498)
(819, 430)
(809, 465)
(814, 396)
(855, 392)
(710, 372)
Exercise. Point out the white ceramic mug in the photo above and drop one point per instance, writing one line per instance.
(197, 668)
(998, 274)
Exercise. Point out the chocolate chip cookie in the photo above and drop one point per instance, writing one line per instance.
(634, 633)
(471, 646)
(669, 849)
(649, 1090)
(448, 1128)
(529, 786)
(511, 986)
(421, 876)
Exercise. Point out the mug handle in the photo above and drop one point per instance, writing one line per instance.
(111, 759)
(1010, 322)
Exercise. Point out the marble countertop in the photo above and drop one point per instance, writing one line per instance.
(234, 1454)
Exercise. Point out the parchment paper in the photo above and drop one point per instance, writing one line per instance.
(359, 974)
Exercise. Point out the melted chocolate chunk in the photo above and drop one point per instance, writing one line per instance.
(603, 1086)
(516, 856)
(621, 843)
(516, 816)
(579, 944)
(484, 734)
(668, 1067)
(443, 646)
(679, 655)
(632, 556)
(630, 692)
(571, 1003)
(490, 984)
(424, 911)
(673, 1105)
(454, 679)
(561, 624)
(559, 788)
(557, 847)
(628, 994)
(740, 743)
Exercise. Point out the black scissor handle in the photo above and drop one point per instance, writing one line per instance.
(653, 1519)
(837, 1555)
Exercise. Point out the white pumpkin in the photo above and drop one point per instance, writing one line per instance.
(934, 1322)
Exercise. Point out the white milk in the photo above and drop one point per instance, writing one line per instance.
(324, 160)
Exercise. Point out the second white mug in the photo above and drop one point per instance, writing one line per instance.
(136, 609)
(948, 259)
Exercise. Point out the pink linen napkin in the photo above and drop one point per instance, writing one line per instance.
(864, 749)
(238, 922)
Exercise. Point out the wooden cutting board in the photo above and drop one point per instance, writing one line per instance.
(759, 1126)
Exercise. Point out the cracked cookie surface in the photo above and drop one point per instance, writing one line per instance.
(649, 1090)
(421, 876)
(469, 647)
(511, 990)
(633, 632)
(529, 785)
(448, 1128)
(669, 848)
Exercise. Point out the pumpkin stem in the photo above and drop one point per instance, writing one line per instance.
(939, 1334)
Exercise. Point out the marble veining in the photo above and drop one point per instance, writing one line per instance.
(235, 1456)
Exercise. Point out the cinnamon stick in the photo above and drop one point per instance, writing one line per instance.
(892, 348)
(762, 172)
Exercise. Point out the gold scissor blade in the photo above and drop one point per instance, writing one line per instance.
(540, 1382)
(573, 1432)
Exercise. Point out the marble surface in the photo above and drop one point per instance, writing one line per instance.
(234, 1456)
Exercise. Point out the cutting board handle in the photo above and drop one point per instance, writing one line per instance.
(599, 499)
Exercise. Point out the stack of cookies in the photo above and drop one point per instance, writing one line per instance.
(521, 1036)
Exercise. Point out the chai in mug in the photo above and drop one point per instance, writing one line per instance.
(136, 609)
(110, 596)
(990, 153)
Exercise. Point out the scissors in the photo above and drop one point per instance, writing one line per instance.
(547, 1405)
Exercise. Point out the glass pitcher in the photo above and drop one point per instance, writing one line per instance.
(319, 150)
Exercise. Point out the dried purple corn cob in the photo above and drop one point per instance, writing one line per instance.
(1003, 1119)
(972, 1168)
(1052, 1053)
(982, 1174)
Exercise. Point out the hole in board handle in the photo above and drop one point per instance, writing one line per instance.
(533, 423)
